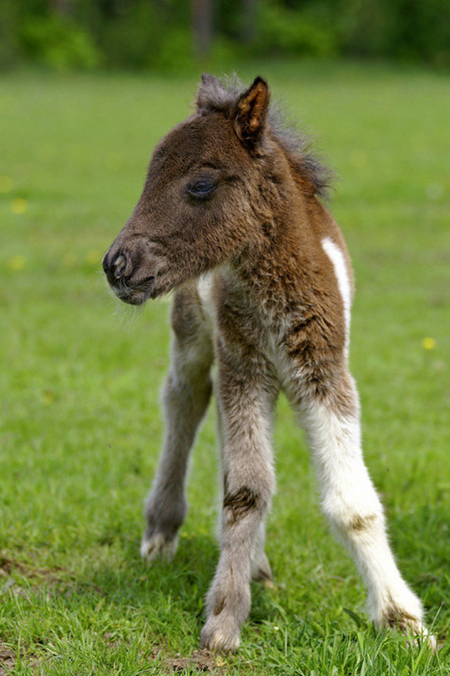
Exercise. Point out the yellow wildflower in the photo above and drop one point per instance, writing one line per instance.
(19, 205)
(17, 262)
(429, 343)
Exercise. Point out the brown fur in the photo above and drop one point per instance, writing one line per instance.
(361, 524)
(240, 503)
(396, 617)
(234, 193)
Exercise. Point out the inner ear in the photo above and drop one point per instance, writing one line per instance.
(250, 113)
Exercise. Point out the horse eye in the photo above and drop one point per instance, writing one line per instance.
(202, 189)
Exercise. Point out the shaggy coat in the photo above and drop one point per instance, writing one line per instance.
(231, 219)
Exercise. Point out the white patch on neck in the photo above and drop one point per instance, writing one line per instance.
(336, 256)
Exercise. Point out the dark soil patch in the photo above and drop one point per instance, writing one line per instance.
(7, 566)
(56, 580)
(7, 659)
(200, 660)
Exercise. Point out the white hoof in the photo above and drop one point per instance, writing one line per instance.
(158, 546)
(220, 635)
(403, 611)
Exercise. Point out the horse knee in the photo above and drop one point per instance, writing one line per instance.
(187, 396)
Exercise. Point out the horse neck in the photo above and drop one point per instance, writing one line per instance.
(275, 270)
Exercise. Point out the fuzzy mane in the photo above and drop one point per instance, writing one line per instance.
(221, 95)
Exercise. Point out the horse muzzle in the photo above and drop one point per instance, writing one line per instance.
(131, 275)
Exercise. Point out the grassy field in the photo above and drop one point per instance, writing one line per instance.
(80, 382)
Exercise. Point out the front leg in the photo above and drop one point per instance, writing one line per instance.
(246, 394)
(186, 396)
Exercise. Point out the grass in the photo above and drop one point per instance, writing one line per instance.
(80, 427)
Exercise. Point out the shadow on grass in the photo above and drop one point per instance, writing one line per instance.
(420, 540)
(128, 579)
(166, 600)
(185, 580)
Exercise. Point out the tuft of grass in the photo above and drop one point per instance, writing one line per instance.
(80, 427)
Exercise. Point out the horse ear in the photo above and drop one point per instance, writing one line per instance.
(250, 113)
(209, 86)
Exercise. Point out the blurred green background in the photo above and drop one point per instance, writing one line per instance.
(80, 425)
(170, 35)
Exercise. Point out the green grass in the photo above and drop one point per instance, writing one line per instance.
(80, 381)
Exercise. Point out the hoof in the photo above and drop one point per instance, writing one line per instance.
(158, 545)
(423, 636)
(217, 637)
(405, 614)
(261, 572)
(416, 631)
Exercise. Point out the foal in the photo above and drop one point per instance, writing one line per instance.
(230, 218)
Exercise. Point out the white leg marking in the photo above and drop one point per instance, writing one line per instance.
(158, 545)
(354, 509)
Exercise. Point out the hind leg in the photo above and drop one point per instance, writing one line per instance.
(352, 505)
(260, 566)
(185, 399)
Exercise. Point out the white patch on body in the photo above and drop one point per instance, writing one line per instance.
(337, 258)
(205, 292)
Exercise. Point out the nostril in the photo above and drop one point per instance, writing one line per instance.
(119, 266)
(116, 266)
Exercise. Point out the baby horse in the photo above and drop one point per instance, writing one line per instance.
(230, 218)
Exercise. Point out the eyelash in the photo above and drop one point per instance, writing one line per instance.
(195, 190)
